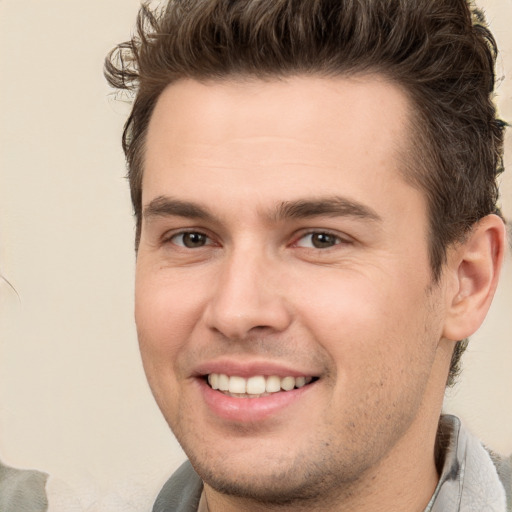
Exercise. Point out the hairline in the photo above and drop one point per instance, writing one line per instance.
(412, 166)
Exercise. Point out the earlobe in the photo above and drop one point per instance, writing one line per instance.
(475, 266)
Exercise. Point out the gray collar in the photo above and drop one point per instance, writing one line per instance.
(469, 481)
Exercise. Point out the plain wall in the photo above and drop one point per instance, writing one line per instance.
(73, 396)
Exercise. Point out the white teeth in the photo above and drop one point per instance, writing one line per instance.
(273, 384)
(237, 384)
(287, 383)
(223, 382)
(213, 380)
(256, 385)
(300, 382)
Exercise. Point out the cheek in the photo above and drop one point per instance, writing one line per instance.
(367, 326)
(351, 304)
(167, 310)
(167, 305)
(382, 347)
(163, 326)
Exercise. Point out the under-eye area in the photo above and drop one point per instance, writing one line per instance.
(256, 386)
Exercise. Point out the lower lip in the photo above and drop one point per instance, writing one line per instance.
(249, 410)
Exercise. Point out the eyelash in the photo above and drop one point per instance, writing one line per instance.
(335, 238)
(171, 238)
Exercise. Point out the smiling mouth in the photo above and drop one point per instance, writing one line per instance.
(256, 386)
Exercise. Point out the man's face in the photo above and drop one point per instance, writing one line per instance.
(281, 247)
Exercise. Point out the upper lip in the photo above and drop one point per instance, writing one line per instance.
(250, 368)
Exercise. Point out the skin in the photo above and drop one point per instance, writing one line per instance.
(359, 312)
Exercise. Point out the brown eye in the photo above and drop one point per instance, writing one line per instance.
(323, 240)
(191, 240)
(318, 240)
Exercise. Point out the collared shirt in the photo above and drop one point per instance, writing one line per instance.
(22, 490)
(469, 481)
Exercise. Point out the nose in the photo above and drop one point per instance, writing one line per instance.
(248, 298)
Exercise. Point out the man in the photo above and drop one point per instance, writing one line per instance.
(314, 184)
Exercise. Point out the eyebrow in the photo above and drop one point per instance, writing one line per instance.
(164, 206)
(330, 206)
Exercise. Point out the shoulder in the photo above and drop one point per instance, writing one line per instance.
(22, 490)
(504, 470)
(181, 493)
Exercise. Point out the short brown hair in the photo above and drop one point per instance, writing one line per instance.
(439, 52)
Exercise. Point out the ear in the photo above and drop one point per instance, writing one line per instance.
(474, 269)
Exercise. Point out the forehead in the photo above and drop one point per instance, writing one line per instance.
(304, 106)
(310, 132)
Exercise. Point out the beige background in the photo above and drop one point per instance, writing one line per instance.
(73, 397)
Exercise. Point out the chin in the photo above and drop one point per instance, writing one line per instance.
(275, 489)
(269, 482)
